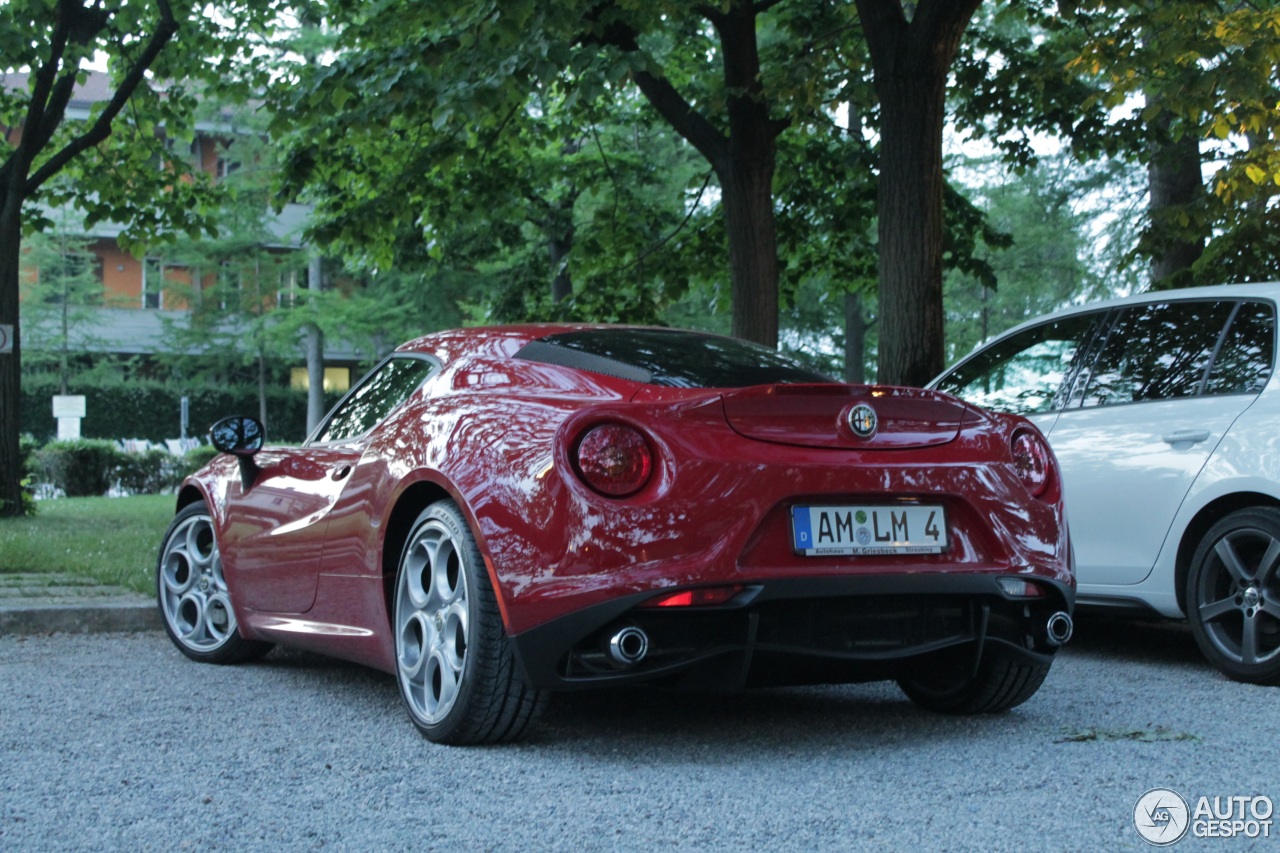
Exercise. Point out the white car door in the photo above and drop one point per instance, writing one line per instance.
(1126, 470)
(1140, 435)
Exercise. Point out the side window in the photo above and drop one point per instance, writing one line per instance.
(377, 396)
(1025, 373)
(1244, 363)
(1157, 351)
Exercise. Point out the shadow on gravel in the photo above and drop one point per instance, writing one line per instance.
(1155, 641)
(806, 721)
(727, 727)
(796, 720)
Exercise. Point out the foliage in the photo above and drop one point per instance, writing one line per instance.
(80, 468)
(92, 467)
(148, 409)
(538, 145)
(60, 296)
(114, 169)
(108, 163)
(1123, 80)
(1049, 259)
(148, 473)
(546, 202)
(196, 458)
(27, 501)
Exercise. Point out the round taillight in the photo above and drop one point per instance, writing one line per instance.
(614, 459)
(1031, 460)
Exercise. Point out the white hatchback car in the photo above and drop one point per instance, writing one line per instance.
(1164, 412)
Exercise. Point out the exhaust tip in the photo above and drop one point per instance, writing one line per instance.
(629, 646)
(1059, 628)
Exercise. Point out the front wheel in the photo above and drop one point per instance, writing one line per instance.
(193, 595)
(454, 663)
(1000, 683)
(1233, 595)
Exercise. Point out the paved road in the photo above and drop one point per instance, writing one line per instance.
(117, 742)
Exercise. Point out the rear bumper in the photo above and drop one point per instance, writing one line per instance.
(799, 631)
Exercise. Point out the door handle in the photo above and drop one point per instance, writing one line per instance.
(1187, 436)
(339, 473)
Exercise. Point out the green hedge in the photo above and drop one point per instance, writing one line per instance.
(90, 467)
(82, 469)
(152, 410)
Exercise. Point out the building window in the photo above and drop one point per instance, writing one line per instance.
(230, 284)
(225, 167)
(287, 295)
(336, 379)
(152, 284)
(156, 274)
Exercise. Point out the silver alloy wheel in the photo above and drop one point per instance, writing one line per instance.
(193, 592)
(432, 621)
(1237, 596)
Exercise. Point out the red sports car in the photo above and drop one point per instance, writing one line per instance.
(493, 514)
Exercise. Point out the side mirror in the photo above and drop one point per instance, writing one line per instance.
(238, 435)
(242, 437)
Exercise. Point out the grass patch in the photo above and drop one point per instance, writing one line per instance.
(109, 540)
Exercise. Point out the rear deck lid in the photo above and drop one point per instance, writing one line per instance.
(874, 417)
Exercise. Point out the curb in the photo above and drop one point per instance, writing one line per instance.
(34, 603)
(80, 619)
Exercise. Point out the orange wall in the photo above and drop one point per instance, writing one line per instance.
(121, 275)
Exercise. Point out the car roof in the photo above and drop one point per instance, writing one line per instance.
(494, 341)
(1261, 290)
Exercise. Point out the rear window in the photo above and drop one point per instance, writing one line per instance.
(670, 358)
(1243, 364)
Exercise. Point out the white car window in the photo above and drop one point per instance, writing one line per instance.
(1024, 374)
(1244, 362)
(1158, 351)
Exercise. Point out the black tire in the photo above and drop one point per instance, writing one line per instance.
(454, 662)
(1233, 595)
(194, 601)
(1001, 683)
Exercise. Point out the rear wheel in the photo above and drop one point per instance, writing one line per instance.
(193, 595)
(1001, 683)
(1233, 595)
(454, 662)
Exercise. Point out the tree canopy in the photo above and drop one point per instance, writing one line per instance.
(103, 161)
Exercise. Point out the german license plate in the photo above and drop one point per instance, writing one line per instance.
(820, 531)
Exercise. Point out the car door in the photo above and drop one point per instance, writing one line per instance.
(1137, 429)
(283, 521)
(276, 527)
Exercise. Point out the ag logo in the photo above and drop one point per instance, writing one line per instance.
(863, 420)
(1161, 817)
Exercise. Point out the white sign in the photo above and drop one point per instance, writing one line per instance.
(6, 339)
(70, 406)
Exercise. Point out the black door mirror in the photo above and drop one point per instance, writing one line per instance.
(242, 437)
(238, 435)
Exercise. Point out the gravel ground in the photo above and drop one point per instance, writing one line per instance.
(117, 742)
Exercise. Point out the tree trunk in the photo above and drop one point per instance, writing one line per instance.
(911, 61)
(561, 232)
(10, 363)
(747, 198)
(262, 387)
(743, 160)
(1174, 182)
(855, 340)
(315, 352)
(910, 206)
